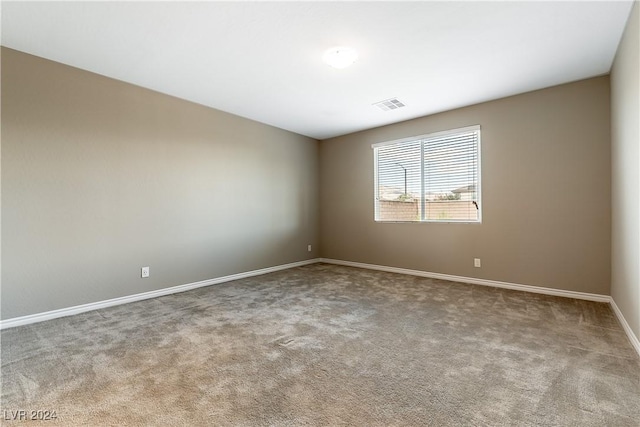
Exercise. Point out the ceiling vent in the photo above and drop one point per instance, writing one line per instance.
(389, 104)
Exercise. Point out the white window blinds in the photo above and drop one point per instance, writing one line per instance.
(433, 177)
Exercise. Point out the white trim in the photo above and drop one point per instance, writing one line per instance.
(632, 337)
(475, 281)
(69, 311)
(479, 183)
(54, 314)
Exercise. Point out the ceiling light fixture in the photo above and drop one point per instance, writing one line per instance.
(340, 56)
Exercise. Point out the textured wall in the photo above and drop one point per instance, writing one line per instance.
(100, 178)
(625, 153)
(397, 210)
(545, 193)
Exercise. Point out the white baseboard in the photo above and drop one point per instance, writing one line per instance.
(514, 286)
(48, 315)
(632, 337)
(40, 317)
(475, 281)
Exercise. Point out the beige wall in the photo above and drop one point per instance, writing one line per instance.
(100, 178)
(545, 188)
(625, 150)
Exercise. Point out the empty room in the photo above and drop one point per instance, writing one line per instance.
(320, 213)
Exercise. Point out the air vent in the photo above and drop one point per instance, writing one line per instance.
(389, 104)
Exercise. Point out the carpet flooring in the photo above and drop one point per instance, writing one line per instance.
(328, 345)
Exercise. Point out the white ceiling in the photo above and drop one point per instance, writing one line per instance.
(263, 60)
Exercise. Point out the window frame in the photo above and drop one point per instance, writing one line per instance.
(475, 128)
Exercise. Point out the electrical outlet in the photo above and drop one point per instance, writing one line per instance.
(145, 271)
(476, 263)
(308, 248)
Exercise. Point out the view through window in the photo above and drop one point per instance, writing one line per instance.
(433, 177)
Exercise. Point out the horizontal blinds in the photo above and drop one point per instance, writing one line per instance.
(439, 173)
(399, 170)
(451, 166)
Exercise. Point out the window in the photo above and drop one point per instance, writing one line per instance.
(433, 177)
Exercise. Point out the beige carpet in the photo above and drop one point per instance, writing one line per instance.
(328, 345)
